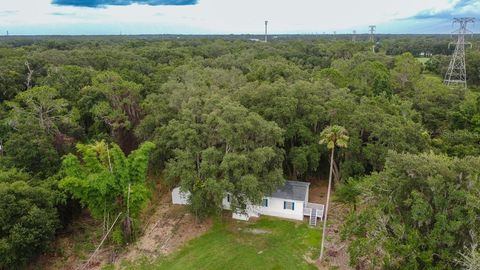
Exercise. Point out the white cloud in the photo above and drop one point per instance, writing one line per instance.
(214, 16)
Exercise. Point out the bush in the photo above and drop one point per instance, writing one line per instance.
(28, 221)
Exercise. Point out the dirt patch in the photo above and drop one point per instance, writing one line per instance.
(170, 227)
(186, 230)
(166, 228)
(257, 231)
(308, 258)
(318, 191)
(335, 248)
(164, 220)
(72, 245)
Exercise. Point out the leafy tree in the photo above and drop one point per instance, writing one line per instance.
(332, 136)
(41, 105)
(12, 75)
(299, 109)
(222, 147)
(37, 121)
(13, 175)
(28, 220)
(332, 75)
(69, 80)
(434, 101)
(473, 67)
(370, 78)
(114, 104)
(459, 143)
(348, 193)
(104, 178)
(466, 114)
(419, 212)
(273, 69)
(376, 125)
(166, 103)
(406, 72)
(438, 64)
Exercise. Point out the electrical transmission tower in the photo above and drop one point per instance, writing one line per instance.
(372, 32)
(354, 37)
(457, 71)
(372, 36)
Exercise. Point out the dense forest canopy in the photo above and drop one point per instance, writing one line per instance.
(83, 119)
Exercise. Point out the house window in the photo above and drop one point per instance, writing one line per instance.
(228, 198)
(288, 205)
(265, 202)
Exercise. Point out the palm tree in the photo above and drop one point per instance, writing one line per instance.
(332, 136)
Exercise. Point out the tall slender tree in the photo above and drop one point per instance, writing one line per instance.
(332, 136)
(105, 180)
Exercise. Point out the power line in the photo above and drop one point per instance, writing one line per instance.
(101, 243)
(457, 72)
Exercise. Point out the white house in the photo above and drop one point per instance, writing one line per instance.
(290, 201)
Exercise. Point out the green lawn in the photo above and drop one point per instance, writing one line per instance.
(423, 60)
(266, 244)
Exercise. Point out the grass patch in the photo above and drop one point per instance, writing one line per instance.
(235, 245)
(423, 60)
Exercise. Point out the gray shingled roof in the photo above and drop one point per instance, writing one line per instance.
(292, 190)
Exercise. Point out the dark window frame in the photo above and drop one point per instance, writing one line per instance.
(292, 204)
(265, 202)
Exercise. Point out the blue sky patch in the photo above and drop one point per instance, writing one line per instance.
(463, 8)
(101, 3)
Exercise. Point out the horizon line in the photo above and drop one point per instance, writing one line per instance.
(237, 34)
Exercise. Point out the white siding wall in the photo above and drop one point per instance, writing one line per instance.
(253, 210)
(240, 216)
(275, 208)
(226, 203)
(179, 197)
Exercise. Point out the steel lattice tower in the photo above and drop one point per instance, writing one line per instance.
(354, 36)
(457, 71)
(372, 32)
(372, 36)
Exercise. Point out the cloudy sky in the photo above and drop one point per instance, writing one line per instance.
(26, 17)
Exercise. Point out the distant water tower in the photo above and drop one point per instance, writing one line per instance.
(266, 31)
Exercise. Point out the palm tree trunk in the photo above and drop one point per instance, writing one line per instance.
(326, 205)
(336, 174)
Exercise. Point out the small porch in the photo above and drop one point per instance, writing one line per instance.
(308, 209)
(317, 198)
(313, 211)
